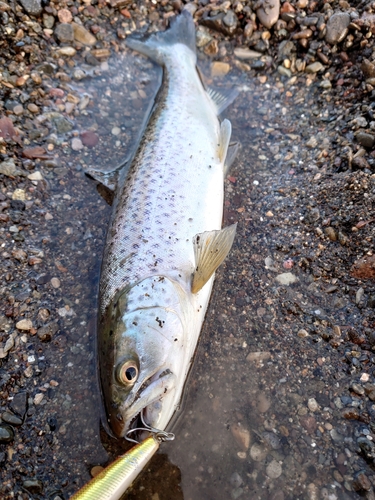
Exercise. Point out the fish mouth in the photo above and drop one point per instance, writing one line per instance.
(140, 415)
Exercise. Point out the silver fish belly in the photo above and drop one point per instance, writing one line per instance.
(164, 242)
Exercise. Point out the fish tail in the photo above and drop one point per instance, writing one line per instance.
(157, 45)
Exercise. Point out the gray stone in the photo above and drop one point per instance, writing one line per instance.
(365, 139)
(6, 433)
(19, 404)
(9, 418)
(230, 19)
(32, 7)
(337, 27)
(64, 33)
(314, 67)
(33, 486)
(48, 21)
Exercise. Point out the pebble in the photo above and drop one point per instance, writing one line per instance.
(64, 33)
(18, 109)
(258, 452)
(97, 469)
(24, 324)
(89, 138)
(38, 398)
(219, 68)
(312, 405)
(77, 144)
(65, 16)
(82, 35)
(45, 333)
(331, 233)
(19, 404)
(241, 436)
(32, 7)
(66, 51)
(9, 418)
(286, 278)
(365, 139)
(8, 168)
(6, 433)
(258, 356)
(314, 67)
(263, 403)
(35, 176)
(274, 469)
(55, 282)
(361, 482)
(236, 480)
(244, 53)
(269, 12)
(33, 486)
(337, 28)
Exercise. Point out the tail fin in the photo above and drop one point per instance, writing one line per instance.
(181, 30)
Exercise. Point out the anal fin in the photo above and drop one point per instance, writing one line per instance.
(210, 250)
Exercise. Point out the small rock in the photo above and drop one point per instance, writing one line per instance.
(67, 51)
(365, 139)
(286, 278)
(18, 110)
(258, 452)
(230, 20)
(361, 482)
(357, 388)
(32, 7)
(337, 27)
(241, 435)
(55, 282)
(76, 144)
(269, 12)
(65, 16)
(236, 480)
(19, 404)
(364, 268)
(308, 423)
(312, 405)
(263, 403)
(35, 176)
(6, 433)
(116, 131)
(244, 53)
(24, 325)
(9, 418)
(219, 68)
(331, 233)
(314, 67)
(202, 37)
(274, 469)
(33, 486)
(20, 255)
(89, 139)
(8, 168)
(38, 398)
(82, 35)
(272, 440)
(97, 469)
(64, 33)
(258, 356)
(45, 333)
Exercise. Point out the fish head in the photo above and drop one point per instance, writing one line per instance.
(141, 366)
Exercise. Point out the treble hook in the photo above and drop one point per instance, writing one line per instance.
(160, 435)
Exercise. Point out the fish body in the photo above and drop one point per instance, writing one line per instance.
(164, 241)
(114, 480)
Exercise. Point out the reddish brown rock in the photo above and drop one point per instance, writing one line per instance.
(364, 268)
(35, 152)
(7, 130)
(89, 138)
(309, 423)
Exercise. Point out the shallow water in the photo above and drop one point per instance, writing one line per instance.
(246, 428)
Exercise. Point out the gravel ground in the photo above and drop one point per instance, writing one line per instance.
(280, 403)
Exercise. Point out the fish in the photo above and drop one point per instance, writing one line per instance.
(115, 479)
(165, 239)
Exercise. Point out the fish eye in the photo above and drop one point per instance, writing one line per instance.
(127, 373)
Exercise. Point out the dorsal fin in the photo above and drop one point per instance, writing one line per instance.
(210, 250)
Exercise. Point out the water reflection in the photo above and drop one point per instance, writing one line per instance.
(257, 419)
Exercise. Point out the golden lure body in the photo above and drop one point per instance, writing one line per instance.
(113, 481)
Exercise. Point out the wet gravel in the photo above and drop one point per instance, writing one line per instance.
(280, 402)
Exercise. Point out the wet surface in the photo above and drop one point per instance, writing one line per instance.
(270, 410)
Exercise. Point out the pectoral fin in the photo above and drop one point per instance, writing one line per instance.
(231, 155)
(210, 250)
